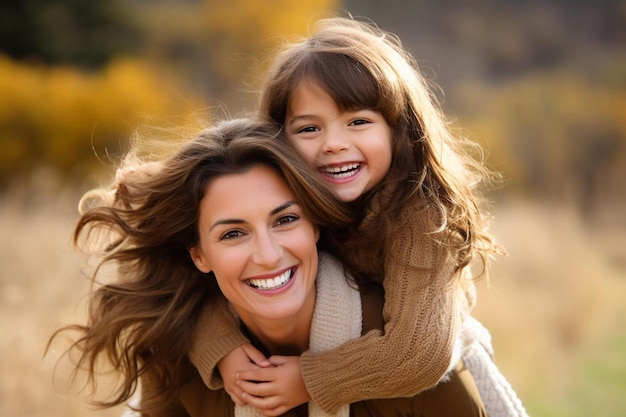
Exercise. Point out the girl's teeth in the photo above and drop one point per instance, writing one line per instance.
(272, 283)
(341, 171)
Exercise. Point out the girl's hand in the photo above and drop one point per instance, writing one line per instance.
(274, 391)
(244, 357)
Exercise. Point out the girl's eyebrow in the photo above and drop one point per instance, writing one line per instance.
(278, 209)
(294, 119)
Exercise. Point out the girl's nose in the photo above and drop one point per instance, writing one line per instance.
(335, 142)
(267, 251)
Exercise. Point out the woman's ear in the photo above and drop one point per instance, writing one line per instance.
(199, 260)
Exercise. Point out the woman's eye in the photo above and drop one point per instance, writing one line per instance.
(287, 219)
(231, 234)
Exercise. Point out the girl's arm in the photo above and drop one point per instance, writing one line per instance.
(216, 335)
(423, 311)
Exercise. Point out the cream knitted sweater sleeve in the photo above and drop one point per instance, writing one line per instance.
(423, 311)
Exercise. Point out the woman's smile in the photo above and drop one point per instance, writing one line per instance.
(272, 284)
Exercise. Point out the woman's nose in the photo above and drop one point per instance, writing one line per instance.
(267, 252)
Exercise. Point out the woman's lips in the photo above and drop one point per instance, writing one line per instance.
(274, 283)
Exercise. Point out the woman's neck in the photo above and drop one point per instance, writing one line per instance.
(285, 336)
(288, 340)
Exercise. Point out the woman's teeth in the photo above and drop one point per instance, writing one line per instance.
(272, 283)
(342, 171)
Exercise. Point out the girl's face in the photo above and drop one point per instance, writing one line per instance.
(260, 246)
(350, 149)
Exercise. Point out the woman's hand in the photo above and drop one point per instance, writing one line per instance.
(243, 358)
(275, 390)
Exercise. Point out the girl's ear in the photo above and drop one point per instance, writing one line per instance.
(199, 260)
(317, 234)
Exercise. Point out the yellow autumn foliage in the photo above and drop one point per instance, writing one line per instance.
(248, 21)
(252, 28)
(549, 131)
(70, 120)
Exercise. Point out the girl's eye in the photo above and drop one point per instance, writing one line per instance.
(231, 234)
(287, 219)
(359, 122)
(307, 129)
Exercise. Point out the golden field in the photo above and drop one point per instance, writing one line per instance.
(555, 306)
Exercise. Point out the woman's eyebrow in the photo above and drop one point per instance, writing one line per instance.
(240, 221)
(225, 221)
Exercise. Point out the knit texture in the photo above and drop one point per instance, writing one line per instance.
(336, 318)
(423, 311)
(498, 396)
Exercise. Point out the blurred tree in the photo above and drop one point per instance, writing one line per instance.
(75, 123)
(218, 46)
(241, 32)
(76, 32)
(557, 136)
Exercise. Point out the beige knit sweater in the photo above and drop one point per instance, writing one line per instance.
(423, 312)
(336, 319)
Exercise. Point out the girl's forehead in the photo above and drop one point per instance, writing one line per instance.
(347, 91)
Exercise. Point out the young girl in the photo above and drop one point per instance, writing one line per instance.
(355, 107)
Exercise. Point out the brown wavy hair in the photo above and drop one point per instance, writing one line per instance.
(144, 224)
(361, 66)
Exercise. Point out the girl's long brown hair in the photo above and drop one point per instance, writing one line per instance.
(434, 169)
(144, 225)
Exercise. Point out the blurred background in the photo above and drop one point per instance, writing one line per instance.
(540, 84)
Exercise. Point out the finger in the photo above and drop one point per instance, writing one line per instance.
(249, 367)
(237, 396)
(277, 360)
(261, 390)
(266, 405)
(238, 400)
(256, 356)
(259, 374)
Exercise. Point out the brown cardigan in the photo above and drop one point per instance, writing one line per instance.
(458, 396)
(423, 311)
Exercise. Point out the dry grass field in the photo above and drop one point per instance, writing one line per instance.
(555, 307)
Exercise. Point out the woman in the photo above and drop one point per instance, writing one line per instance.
(235, 213)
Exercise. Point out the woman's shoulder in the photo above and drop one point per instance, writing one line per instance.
(199, 401)
(372, 302)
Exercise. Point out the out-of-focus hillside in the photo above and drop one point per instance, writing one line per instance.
(556, 309)
(541, 84)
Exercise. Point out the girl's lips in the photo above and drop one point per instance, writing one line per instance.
(340, 171)
(273, 283)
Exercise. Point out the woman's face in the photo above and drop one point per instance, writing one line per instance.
(258, 243)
